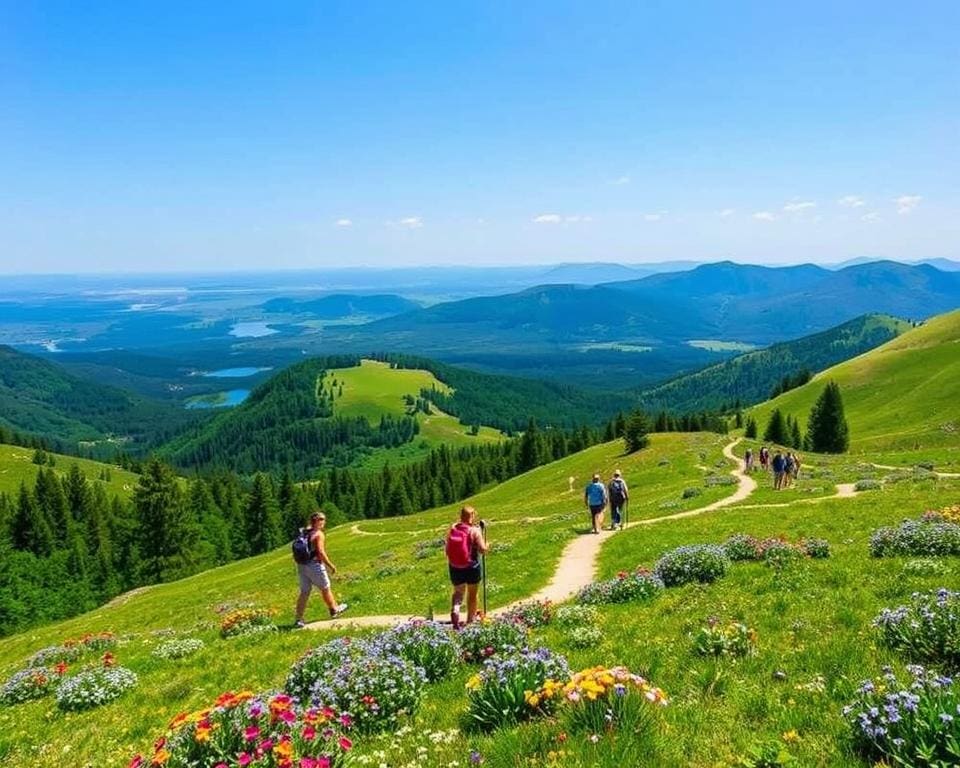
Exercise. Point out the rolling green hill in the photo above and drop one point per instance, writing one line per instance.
(16, 466)
(749, 378)
(332, 411)
(901, 395)
(41, 398)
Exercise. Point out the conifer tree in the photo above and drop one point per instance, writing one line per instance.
(262, 516)
(30, 528)
(165, 535)
(796, 440)
(751, 430)
(776, 431)
(827, 426)
(635, 435)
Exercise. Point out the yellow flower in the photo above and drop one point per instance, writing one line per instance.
(791, 736)
(473, 683)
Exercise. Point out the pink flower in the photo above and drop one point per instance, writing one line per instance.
(243, 759)
(137, 762)
(308, 762)
(345, 743)
(252, 733)
(266, 745)
(221, 765)
(346, 721)
(309, 733)
(288, 716)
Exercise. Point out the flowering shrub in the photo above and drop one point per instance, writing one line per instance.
(928, 629)
(584, 637)
(600, 700)
(951, 513)
(94, 687)
(915, 724)
(733, 639)
(535, 613)
(780, 553)
(321, 661)
(272, 730)
(247, 621)
(482, 639)
(498, 692)
(925, 537)
(742, 546)
(56, 654)
(97, 642)
(576, 615)
(703, 563)
(625, 588)
(425, 644)
(30, 683)
(818, 549)
(177, 649)
(367, 678)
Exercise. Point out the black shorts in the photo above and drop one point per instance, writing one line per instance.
(470, 575)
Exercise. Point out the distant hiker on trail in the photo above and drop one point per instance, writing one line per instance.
(595, 497)
(778, 467)
(787, 470)
(796, 466)
(764, 458)
(310, 554)
(748, 461)
(465, 543)
(618, 494)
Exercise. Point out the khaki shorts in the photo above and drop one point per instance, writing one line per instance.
(312, 575)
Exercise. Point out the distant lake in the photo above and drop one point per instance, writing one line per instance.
(251, 330)
(235, 373)
(218, 399)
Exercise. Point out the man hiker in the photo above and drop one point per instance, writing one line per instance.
(764, 458)
(787, 470)
(618, 494)
(748, 461)
(465, 543)
(777, 464)
(309, 550)
(595, 497)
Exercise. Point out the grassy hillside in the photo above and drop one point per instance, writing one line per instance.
(16, 466)
(812, 619)
(900, 396)
(749, 378)
(41, 398)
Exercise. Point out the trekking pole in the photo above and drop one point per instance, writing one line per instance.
(483, 565)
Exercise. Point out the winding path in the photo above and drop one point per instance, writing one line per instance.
(577, 565)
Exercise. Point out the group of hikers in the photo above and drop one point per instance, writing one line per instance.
(784, 465)
(465, 546)
(596, 496)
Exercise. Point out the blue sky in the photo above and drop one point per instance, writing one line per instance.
(170, 136)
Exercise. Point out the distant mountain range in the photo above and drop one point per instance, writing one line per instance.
(638, 332)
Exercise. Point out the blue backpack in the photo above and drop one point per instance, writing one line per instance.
(303, 546)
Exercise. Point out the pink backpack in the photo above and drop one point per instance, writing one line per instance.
(459, 546)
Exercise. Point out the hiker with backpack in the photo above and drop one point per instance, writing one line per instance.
(595, 497)
(778, 463)
(465, 545)
(310, 555)
(619, 495)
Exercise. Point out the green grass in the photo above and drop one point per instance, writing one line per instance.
(16, 466)
(899, 396)
(374, 389)
(813, 620)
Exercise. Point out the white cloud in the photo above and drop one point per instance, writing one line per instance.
(620, 181)
(851, 201)
(799, 207)
(764, 216)
(907, 203)
(652, 216)
(726, 213)
(411, 222)
(344, 223)
(578, 219)
(872, 216)
(548, 218)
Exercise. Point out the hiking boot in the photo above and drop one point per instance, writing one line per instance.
(298, 624)
(455, 619)
(340, 609)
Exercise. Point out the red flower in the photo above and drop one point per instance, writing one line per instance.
(345, 743)
(61, 669)
(137, 762)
